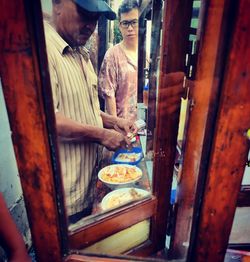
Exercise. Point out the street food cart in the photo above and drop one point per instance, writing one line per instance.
(212, 74)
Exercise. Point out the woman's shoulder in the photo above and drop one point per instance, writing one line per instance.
(114, 51)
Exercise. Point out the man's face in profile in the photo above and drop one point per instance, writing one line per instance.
(74, 24)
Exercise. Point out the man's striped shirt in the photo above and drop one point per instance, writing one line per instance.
(74, 87)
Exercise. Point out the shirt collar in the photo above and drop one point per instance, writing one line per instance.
(80, 49)
(65, 48)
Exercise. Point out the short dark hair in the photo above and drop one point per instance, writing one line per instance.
(126, 6)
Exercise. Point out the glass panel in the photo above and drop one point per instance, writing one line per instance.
(80, 49)
(93, 183)
(122, 241)
(10, 186)
(241, 226)
(239, 232)
(246, 177)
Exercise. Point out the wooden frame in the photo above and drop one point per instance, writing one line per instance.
(141, 48)
(33, 41)
(153, 69)
(24, 72)
(30, 133)
(177, 14)
(213, 46)
(210, 38)
(216, 221)
(97, 231)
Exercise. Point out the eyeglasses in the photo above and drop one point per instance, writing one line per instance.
(127, 23)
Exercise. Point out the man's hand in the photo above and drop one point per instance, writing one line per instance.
(125, 126)
(170, 96)
(113, 140)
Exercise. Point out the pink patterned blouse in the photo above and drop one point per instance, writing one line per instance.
(118, 78)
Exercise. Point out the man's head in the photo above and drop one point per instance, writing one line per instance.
(128, 15)
(75, 20)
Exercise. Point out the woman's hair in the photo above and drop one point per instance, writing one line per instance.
(126, 6)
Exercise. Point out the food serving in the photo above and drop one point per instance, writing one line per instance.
(119, 174)
(122, 196)
(128, 157)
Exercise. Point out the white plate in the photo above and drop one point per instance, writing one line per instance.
(122, 196)
(119, 176)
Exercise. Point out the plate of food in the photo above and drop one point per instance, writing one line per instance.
(119, 175)
(122, 196)
(131, 157)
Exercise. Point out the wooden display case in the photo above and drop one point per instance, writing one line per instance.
(214, 149)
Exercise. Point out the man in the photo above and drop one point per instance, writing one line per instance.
(81, 126)
(118, 74)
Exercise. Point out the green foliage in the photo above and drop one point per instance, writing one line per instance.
(117, 33)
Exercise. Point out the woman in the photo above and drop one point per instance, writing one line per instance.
(118, 73)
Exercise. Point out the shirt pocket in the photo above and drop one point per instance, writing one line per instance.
(95, 99)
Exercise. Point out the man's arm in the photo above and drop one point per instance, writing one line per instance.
(111, 105)
(120, 124)
(71, 131)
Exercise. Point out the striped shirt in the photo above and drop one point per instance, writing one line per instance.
(75, 95)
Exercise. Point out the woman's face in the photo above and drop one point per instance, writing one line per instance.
(129, 25)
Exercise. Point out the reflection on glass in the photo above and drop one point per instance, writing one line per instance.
(87, 137)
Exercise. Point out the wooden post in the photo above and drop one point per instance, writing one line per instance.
(153, 70)
(22, 88)
(204, 99)
(177, 16)
(230, 146)
(141, 54)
